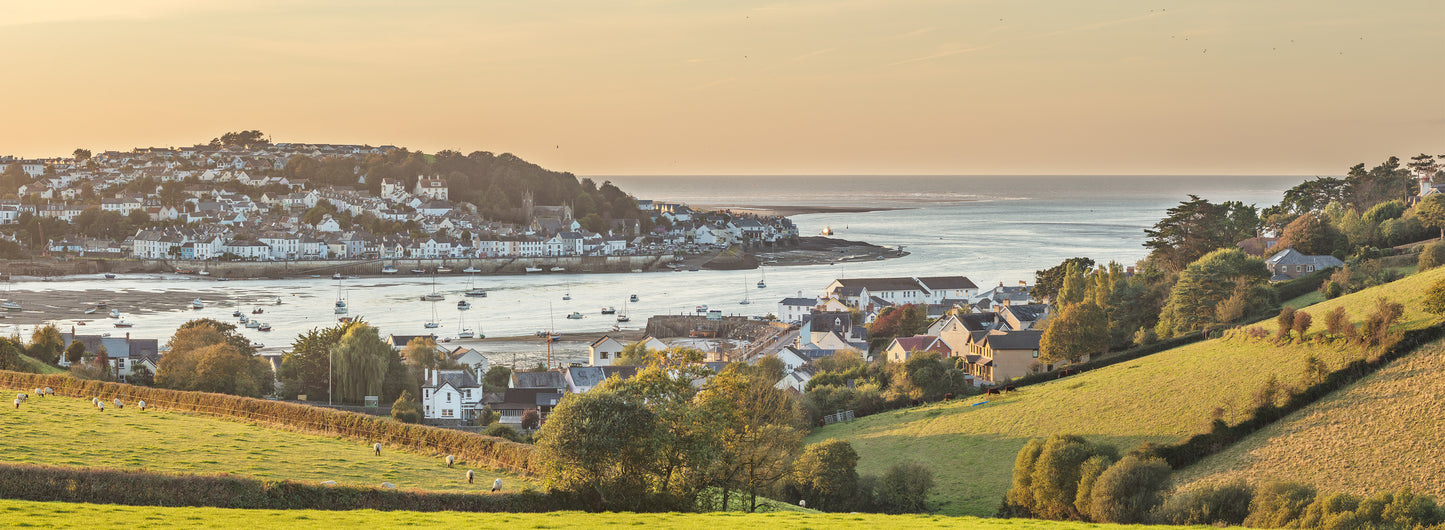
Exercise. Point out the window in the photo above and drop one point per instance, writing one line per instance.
(469, 394)
(449, 397)
(446, 413)
(511, 413)
(1036, 354)
(604, 355)
(1309, 268)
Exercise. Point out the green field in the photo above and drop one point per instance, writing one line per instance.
(63, 515)
(71, 432)
(1163, 398)
(38, 367)
(1382, 433)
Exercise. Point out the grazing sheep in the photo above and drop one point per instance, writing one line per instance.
(329, 483)
(101, 405)
(803, 503)
(22, 397)
(142, 405)
(388, 485)
(469, 476)
(17, 403)
(50, 391)
(497, 485)
(95, 401)
(451, 459)
(377, 447)
(118, 404)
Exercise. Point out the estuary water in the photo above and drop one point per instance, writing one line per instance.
(990, 229)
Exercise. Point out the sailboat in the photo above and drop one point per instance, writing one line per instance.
(473, 290)
(761, 283)
(465, 333)
(340, 300)
(745, 300)
(434, 296)
(433, 324)
(622, 317)
(463, 305)
(568, 295)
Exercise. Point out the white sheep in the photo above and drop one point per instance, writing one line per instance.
(95, 401)
(101, 405)
(388, 485)
(497, 485)
(329, 483)
(17, 403)
(470, 474)
(49, 391)
(377, 447)
(118, 404)
(803, 503)
(22, 397)
(142, 405)
(451, 459)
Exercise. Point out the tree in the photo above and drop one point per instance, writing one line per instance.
(46, 344)
(1048, 281)
(755, 425)
(904, 488)
(362, 361)
(1431, 211)
(1047, 475)
(1128, 490)
(1196, 227)
(596, 446)
(1080, 330)
(498, 379)
(306, 369)
(686, 440)
(405, 409)
(75, 352)
(1202, 286)
(81, 155)
(531, 419)
(826, 475)
(10, 357)
(1311, 234)
(206, 358)
(1072, 291)
(422, 353)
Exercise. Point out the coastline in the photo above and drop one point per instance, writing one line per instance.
(789, 211)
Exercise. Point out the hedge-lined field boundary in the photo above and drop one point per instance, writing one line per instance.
(147, 488)
(468, 447)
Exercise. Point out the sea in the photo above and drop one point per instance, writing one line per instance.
(991, 229)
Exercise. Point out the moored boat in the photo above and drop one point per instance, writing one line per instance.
(123, 324)
(533, 269)
(443, 269)
(471, 270)
(263, 327)
(388, 269)
(463, 305)
(575, 316)
(109, 276)
(198, 304)
(609, 310)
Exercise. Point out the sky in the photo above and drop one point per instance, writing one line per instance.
(659, 87)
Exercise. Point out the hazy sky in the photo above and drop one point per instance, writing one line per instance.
(740, 87)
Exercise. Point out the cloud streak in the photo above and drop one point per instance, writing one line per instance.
(941, 55)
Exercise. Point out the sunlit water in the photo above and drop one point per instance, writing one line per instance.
(990, 229)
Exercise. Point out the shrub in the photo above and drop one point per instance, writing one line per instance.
(531, 419)
(1145, 336)
(826, 475)
(1431, 256)
(486, 416)
(904, 488)
(1221, 505)
(406, 409)
(1285, 320)
(1128, 490)
(505, 432)
(1338, 323)
(1047, 476)
(1377, 325)
(1435, 298)
(1277, 504)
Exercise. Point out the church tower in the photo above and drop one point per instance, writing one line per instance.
(527, 207)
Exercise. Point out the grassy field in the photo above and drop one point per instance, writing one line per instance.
(38, 367)
(1305, 300)
(1163, 397)
(90, 516)
(1384, 432)
(71, 432)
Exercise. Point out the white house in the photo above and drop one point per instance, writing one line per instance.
(450, 395)
(791, 310)
(603, 351)
(473, 359)
(434, 188)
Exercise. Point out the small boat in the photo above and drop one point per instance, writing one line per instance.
(223, 279)
(558, 269)
(471, 270)
(204, 273)
(418, 271)
(616, 327)
(463, 305)
(253, 324)
(443, 269)
(198, 304)
(388, 269)
(553, 337)
(263, 327)
(827, 231)
(100, 305)
(123, 324)
(636, 270)
(109, 276)
(534, 269)
(701, 308)
(80, 322)
(185, 271)
(243, 319)
(115, 313)
(337, 276)
(257, 311)
(278, 300)
(257, 345)
(633, 298)
(465, 333)
(433, 297)
(567, 296)
(476, 292)
(623, 318)
(575, 316)
(432, 325)
(344, 319)
(609, 310)
(340, 306)
(90, 311)
(761, 283)
(237, 313)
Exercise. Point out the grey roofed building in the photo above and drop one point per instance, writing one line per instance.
(459, 379)
(1014, 340)
(1289, 264)
(800, 302)
(400, 341)
(541, 380)
(938, 283)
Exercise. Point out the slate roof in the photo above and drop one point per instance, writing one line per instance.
(935, 283)
(1028, 312)
(1014, 340)
(1291, 256)
(459, 379)
(541, 380)
(800, 302)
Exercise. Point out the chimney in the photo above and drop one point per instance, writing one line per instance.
(1023, 283)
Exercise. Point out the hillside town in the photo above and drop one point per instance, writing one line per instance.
(237, 203)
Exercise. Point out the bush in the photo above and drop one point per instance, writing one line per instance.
(1302, 321)
(1338, 323)
(531, 419)
(1128, 490)
(1047, 475)
(1435, 298)
(406, 409)
(1277, 504)
(826, 475)
(904, 489)
(1222, 505)
(505, 432)
(1431, 256)
(1285, 320)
